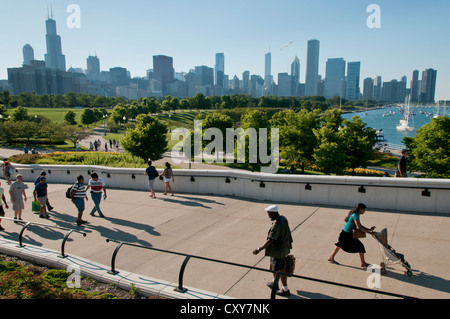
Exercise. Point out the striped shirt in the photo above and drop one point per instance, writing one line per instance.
(97, 185)
(79, 190)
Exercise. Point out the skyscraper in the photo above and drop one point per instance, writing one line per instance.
(352, 89)
(295, 74)
(163, 70)
(312, 68)
(245, 82)
(428, 89)
(268, 90)
(368, 89)
(377, 87)
(335, 77)
(54, 59)
(219, 70)
(28, 54)
(415, 86)
(118, 76)
(284, 84)
(93, 68)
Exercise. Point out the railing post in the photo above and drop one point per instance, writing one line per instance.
(275, 286)
(180, 278)
(63, 255)
(21, 233)
(113, 271)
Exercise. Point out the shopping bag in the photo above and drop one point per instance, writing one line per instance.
(35, 206)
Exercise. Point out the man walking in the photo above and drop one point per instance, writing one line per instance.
(401, 165)
(40, 195)
(18, 195)
(277, 247)
(152, 173)
(36, 182)
(78, 194)
(97, 185)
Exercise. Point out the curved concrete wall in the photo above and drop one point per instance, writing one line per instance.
(404, 194)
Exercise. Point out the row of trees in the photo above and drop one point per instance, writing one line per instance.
(306, 138)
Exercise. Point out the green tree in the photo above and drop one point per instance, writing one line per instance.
(431, 148)
(75, 134)
(69, 118)
(359, 141)
(297, 138)
(21, 114)
(148, 140)
(329, 153)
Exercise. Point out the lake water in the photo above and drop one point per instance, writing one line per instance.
(375, 119)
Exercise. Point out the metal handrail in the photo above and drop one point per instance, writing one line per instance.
(25, 225)
(278, 274)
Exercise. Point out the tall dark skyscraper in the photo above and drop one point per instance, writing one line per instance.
(428, 89)
(352, 89)
(163, 70)
(312, 68)
(28, 54)
(295, 73)
(335, 77)
(93, 68)
(219, 70)
(415, 86)
(54, 59)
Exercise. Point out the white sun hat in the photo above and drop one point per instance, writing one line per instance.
(272, 208)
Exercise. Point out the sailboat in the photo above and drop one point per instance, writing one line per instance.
(405, 121)
(437, 114)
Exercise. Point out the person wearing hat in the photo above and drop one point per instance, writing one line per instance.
(40, 195)
(18, 195)
(277, 246)
(36, 182)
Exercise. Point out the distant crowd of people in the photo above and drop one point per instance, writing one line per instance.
(77, 192)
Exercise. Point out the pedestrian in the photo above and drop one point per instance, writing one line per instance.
(106, 147)
(18, 195)
(117, 145)
(97, 185)
(347, 241)
(110, 144)
(37, 181)
(401, 165)
(168, 175)
(91, 146)
(33, 151)
(7, 171)
(40, 195)
(25, 149)
(2, 212)
(114, 143)
(78, 146)
(78, 195)
(152, 173)
(95, 145)
(277, 247)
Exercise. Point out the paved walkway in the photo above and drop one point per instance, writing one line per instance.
(229, 229)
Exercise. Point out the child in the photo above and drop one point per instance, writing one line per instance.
(2, 212)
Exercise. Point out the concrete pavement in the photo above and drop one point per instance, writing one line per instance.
(229, 229)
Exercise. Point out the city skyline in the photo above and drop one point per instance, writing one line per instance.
(240, 56)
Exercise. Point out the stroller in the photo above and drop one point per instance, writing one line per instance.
(389, 254)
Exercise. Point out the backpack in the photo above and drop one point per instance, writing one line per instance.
(68, 192)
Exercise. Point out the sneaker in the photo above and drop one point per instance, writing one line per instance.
(50, 208)
(1, 228)
(41, 216)
(283, 293)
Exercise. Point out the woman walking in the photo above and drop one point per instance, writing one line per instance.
(168, 174)
(346, 239)
(78, 194)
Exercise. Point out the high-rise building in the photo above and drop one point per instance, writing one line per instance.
(54, 59)
(284, 84)
(219, 70)
(93, 68)
(163, 70)
(268, 89)
(28, 54)
(352, 89)
(394, 91)
(428, 89)
(295, 74)
(245, 82)
(377, 87)
(415, 86)
(335, 78)
(368, 89)
(204, 76)
(118, 76)
(312, 68)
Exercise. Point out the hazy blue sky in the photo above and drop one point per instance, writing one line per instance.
(413, 35)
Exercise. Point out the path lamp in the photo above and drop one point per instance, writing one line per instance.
(105, 116)
(124, 122)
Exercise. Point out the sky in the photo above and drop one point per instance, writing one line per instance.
(412, 35)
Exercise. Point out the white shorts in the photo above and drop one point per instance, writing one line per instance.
(167, 180)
